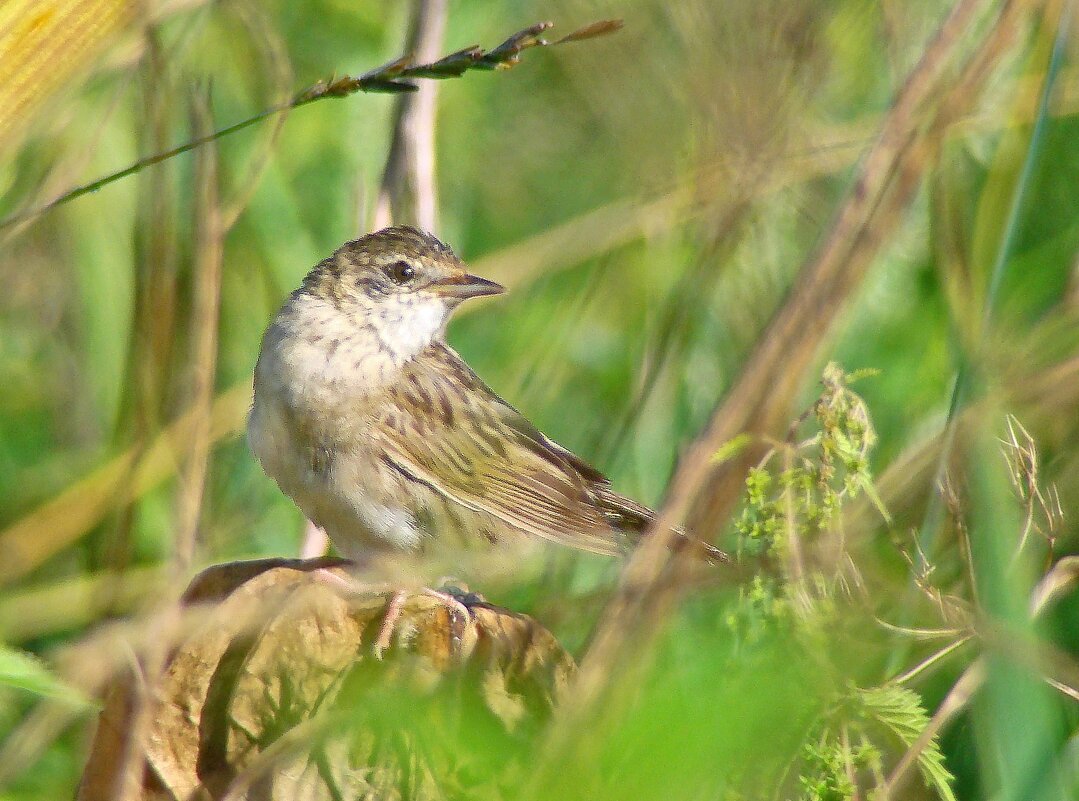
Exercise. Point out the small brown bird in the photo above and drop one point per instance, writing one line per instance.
(386, 439)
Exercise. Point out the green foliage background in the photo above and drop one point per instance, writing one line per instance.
(736, 128)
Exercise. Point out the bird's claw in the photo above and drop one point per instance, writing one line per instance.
(456, 601)
(460, 591)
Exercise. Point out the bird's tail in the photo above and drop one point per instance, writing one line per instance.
(634, 519)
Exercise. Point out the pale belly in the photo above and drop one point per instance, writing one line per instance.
(345, 488)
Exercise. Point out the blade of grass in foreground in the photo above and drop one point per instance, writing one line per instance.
(934, 516)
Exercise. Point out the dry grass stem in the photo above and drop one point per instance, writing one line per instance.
(758, 401)
(75, 602)
(58, 523)
(888, 179)
(275, 56)
(1055, 584)
(209, 248)
(932, 660)
(393, 77)
(408, 194)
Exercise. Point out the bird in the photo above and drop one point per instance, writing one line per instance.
(387, 440)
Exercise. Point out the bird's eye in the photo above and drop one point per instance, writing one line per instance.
(401, 272)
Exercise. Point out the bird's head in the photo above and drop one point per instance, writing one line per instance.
(401, 282)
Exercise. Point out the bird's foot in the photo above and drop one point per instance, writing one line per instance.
(456, 601)
(459, 590)
(389, 622)
(454, 595)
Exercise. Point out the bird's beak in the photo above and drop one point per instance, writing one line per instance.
(463, 285)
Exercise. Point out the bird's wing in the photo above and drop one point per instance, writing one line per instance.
(445, 428)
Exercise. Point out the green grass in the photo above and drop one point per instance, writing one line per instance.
(757, 114)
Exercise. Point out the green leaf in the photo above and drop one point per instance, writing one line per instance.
(900, 710)
(24, 671)
(871, 492)
(731, 448)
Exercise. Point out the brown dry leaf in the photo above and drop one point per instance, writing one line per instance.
(280, 696)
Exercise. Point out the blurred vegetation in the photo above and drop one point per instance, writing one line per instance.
(649, 198)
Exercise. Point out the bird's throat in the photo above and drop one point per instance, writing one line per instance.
(327, 353)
